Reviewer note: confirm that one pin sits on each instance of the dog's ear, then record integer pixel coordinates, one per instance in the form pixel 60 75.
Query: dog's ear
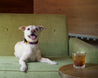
pixel 42 28
pixel 22 28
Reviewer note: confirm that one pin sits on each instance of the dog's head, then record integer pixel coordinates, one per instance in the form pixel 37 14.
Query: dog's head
pixel 31 32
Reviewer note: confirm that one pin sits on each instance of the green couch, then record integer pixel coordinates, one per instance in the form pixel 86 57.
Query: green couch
pixel 54 44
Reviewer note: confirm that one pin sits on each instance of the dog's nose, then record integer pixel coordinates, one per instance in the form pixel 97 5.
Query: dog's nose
pixel 32 30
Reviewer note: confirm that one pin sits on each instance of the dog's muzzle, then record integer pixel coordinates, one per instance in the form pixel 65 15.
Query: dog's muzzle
pixel 33 36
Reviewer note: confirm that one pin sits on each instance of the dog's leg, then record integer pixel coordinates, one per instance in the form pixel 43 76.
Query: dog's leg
pixel 23 65
pixel 46 60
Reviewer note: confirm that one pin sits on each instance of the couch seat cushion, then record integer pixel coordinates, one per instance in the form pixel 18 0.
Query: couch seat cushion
pixel 10 63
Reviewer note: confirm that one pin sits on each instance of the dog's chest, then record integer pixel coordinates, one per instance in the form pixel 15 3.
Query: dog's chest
pixel 32 52
pixel 32 49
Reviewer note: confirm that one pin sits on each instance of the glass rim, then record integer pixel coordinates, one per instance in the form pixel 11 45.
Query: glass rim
pixel 79 53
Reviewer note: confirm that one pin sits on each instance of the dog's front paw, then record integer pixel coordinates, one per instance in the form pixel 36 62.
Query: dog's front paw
pixel 23 68
pixel 53 63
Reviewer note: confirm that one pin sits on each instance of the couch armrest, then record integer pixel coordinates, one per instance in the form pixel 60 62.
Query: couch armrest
pixel 79 45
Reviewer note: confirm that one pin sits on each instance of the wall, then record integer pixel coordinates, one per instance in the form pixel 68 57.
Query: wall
pixel 82 14
pixel 16 6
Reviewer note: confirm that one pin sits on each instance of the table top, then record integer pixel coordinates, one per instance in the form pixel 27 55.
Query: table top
pixel 90 71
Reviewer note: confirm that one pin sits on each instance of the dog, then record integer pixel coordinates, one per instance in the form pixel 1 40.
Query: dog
pixel 28 50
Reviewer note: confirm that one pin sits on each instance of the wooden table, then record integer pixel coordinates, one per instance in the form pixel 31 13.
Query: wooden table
pixel 90 71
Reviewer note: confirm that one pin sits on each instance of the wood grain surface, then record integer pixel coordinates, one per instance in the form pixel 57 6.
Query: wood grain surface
pixel 82 14
pixel 90 71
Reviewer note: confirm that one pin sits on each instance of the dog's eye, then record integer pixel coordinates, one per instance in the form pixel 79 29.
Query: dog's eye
pixel 36 29
pixel 28 29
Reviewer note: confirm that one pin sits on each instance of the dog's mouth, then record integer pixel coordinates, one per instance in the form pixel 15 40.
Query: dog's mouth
pixel 32 36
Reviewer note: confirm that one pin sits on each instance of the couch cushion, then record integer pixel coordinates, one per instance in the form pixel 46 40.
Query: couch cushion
pixel 11 63
pixel 53 40
pixel 16 74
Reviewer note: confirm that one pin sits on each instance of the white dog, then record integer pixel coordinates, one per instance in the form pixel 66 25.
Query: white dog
pixel 28 50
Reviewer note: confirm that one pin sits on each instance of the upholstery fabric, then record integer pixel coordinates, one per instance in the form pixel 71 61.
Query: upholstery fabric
pixel 53 40
pixel 11 63
pixel 9 68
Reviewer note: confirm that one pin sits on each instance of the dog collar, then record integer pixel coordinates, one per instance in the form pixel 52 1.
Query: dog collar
pixel 32 43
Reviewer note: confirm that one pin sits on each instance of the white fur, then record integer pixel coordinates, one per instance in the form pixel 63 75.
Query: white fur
pixel 27 52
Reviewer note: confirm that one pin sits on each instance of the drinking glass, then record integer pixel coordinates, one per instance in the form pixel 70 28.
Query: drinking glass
pixel 79 60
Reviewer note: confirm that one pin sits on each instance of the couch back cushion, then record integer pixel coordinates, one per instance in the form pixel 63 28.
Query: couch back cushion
pixel 53 40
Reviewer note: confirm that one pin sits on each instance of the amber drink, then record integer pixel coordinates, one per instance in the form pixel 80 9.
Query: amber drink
pixel 79 60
